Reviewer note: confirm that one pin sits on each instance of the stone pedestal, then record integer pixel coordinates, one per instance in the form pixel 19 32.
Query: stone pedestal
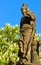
pixel 27 64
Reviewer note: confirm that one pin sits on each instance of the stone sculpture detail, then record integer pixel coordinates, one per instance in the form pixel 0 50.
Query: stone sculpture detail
pixel 27 45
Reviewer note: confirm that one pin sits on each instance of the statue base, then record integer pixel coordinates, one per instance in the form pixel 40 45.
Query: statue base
pixel 26 63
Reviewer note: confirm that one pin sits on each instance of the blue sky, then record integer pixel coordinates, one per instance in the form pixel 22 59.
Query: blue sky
pixel 10 11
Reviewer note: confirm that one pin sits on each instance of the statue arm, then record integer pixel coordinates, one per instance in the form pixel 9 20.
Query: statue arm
pixel 32 15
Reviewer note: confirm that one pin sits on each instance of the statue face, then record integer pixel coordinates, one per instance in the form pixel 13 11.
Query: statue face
pixel 24 10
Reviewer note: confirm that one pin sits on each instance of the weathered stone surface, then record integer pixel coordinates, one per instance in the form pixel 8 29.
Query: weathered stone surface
pixel 27 45
pixel 27 64
pixel 34 56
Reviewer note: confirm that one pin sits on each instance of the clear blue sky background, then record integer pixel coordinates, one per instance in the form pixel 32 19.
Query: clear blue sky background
pixel 10 11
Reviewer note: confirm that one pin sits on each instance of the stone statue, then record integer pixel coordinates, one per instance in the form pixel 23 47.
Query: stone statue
pixel 26 41
pixel 34 53
pixel 28 46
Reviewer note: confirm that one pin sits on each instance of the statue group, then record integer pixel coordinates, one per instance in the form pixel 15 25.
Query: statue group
pixel 28 46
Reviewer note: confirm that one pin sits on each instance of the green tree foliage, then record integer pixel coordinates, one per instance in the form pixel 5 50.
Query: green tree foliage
pixel 9 43
pixel 38 37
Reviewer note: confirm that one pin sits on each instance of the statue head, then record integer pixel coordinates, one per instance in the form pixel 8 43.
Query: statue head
pixel 24 9
pixel 24 5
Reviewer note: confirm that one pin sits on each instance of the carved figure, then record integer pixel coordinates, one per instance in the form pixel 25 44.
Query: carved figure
pixel 27 32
